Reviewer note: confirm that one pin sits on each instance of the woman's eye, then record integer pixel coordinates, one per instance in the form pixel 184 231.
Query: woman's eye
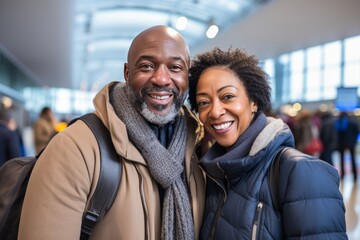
pixel 201 103
pixel 228 97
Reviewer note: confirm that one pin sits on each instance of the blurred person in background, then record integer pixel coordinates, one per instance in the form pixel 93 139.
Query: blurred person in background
pixel 328 137
pixel 44 129
pixel 306 134
pixel 9 139
pixel 347 131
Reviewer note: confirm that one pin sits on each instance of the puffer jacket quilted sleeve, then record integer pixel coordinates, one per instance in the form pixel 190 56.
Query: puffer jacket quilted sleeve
pixel 312 205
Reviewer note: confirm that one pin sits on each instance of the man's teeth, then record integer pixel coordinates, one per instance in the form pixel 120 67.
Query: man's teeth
pixel 222 126
pixel 160 97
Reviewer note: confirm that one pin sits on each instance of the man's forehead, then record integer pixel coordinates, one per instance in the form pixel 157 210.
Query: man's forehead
pixel 158 36
pixel 158 39
pixel 159 31
pixel 157 48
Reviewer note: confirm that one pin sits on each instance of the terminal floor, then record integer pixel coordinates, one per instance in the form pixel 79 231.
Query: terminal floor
pixel 351 195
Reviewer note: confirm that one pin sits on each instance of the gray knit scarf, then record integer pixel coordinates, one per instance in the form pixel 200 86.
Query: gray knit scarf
pixel 165 165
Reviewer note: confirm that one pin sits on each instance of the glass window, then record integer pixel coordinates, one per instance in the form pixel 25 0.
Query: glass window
pixel 270 70
pixel 284 59
pixel 313 85
pixel 40 97
pixel 296 75
pixel 352 75
pixel 297 61
pixel 352 49
pixel 352 62
pixel 332 53
pixel 313 74
pixel 296 92
pixel 63 100
pixel 284 62
pixel 332 70
pixel 83 101
pixel 313 57
pixel 331 82
pixel 269 67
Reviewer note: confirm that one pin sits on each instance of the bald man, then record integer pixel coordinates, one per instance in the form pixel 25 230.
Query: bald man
pixel 161 194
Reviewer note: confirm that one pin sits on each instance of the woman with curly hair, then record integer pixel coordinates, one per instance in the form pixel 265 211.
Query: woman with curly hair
pixel 231 92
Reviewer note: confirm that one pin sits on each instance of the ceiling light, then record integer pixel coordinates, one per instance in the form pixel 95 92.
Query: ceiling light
pixel 6 102
pixel 297 107
pixel 213 29
pixel 181 23
pixel 90 48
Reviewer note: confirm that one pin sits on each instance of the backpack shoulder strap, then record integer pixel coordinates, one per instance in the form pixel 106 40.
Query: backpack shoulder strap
pixel 109 177
pixel 273 176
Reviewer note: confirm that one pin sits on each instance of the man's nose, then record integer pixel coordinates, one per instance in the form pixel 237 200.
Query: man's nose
pixel 161 76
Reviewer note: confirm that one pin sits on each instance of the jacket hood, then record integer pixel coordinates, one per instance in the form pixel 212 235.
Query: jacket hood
pixel 116 127
pixel 275 134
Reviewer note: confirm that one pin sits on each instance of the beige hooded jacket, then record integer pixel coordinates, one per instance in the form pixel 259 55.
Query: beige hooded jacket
pixel 66 174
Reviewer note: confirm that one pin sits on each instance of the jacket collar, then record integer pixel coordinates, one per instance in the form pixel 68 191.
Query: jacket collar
pixel 118 131
pixel 233 163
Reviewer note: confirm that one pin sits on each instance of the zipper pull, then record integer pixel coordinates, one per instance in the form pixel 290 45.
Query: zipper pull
pixel 256 220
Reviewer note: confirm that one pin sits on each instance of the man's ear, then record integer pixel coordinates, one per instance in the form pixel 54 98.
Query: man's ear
pixel 126 72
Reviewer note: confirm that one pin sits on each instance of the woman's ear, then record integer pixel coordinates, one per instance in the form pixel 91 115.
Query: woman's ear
pixel 254 107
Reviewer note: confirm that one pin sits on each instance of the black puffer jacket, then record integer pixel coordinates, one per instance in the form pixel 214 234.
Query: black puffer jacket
pixel 311 203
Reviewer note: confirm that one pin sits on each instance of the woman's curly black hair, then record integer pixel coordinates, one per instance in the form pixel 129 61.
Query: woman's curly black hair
pixel 245 66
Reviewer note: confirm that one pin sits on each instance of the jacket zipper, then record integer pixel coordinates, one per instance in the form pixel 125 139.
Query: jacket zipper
pixel 218 210
pixel 256 224
pixel 191 173
pixel 143 201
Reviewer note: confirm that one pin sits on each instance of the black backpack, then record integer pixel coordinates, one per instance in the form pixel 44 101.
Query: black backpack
pixel 15 173
pixel 273 175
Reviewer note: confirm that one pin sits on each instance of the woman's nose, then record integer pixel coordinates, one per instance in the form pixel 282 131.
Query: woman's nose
pixel 217 110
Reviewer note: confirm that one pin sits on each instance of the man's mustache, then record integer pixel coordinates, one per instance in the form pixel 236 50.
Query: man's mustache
pixel 160 89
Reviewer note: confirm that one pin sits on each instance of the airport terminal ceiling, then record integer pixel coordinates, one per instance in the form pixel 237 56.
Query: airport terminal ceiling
pixel 104 30
pixel 82 44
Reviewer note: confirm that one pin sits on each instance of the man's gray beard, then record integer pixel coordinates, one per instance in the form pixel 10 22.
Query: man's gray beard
pixel 151 117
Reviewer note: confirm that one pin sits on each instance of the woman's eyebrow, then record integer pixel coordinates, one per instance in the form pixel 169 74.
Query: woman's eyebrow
pixel 219 90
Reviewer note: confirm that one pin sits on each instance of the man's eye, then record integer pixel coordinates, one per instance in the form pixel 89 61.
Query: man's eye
pixel 146 66
pixel 176 68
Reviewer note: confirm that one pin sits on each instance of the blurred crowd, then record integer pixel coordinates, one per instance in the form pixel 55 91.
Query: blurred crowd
pixel 316 133
pixel 322 134
pixel 43 128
